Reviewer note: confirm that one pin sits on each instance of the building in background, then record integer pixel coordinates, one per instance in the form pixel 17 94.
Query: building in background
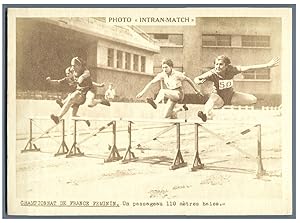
pixel 245 40
pixel 129 56
pixel 121 55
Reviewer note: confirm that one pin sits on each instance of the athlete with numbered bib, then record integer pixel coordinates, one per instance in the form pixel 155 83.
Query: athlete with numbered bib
pixel 217 83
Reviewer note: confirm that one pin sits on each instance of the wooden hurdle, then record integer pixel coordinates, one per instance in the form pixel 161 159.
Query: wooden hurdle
pixel 197 164
pixel 260 170
pixel 178 161
pixel 31 146
pixel 75 151
pixel 129 156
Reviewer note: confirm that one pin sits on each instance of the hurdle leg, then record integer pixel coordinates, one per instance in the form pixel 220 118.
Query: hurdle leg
pixel 63 148
pixel 30 146
pixel 114 154
pixel 74 151
pixel 260 169
pixel 197 161
pixel 178 161
pixel 129 155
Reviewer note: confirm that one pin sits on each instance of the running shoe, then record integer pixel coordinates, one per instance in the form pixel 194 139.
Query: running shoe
pixel 105 102
pixel 202 116
pixel 59 102
pixel 55 119
pixel 92 105
pixel 151 102
pixel 88 123
pixel 185 107
pixel 173 115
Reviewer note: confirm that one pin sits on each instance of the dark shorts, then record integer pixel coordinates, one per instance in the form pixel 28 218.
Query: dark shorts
pixel 227 97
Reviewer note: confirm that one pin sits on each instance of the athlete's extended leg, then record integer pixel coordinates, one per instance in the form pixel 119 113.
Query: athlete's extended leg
pixel 174 95
pixel 61 102
pixel 181 108
pixel 214 101
pixel 75 110
pixel 240 98
pixel 74 98
pixel 91 101
pixel 169 113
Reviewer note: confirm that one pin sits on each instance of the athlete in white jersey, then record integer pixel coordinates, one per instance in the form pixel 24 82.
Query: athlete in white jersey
pixel 174 93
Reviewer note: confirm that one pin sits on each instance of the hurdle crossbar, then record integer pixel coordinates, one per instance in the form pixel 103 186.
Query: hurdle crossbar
pixel 187 121
pixel 82 118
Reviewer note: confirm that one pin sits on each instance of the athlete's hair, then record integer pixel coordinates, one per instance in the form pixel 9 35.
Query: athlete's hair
pixel 77 60
pixel 224 58
pixel 169 62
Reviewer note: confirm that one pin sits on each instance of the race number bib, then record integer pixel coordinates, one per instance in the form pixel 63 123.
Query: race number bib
pixel 223 84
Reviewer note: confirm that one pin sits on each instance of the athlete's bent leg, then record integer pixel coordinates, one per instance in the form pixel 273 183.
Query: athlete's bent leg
pixel 214 101
pixel 75 110
pixel 90 98
pixel 240 98
pixel 169 109
pixel 74 98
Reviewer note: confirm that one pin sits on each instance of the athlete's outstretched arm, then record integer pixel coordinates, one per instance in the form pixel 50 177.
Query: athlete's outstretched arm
pixel 272 63
pixel 98 85
pixel 202 78
pixel 48 79
pixel 154 80
pixel 192 84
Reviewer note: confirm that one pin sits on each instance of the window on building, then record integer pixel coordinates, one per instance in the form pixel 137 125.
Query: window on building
pixel 127 61
pixel 119 59
pixel 168 39
pixel 160 36
pixel 261 74
pixel 216 40
pixel 176 39
pixel 143 64
pixel 256 41
pixel 135 62
pixel 110 57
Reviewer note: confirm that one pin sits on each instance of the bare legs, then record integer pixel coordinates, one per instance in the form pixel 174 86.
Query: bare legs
pixel 91 101
pixel 173 97
pixel 74 98
pixel 240 98
pixel 215 101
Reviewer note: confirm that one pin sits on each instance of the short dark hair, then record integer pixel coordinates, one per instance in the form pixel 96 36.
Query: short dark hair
pixel 78 61
pixel 169 62
pixel 223 58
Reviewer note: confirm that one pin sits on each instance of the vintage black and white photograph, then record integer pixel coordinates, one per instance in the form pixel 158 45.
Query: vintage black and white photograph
pixel 149 111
